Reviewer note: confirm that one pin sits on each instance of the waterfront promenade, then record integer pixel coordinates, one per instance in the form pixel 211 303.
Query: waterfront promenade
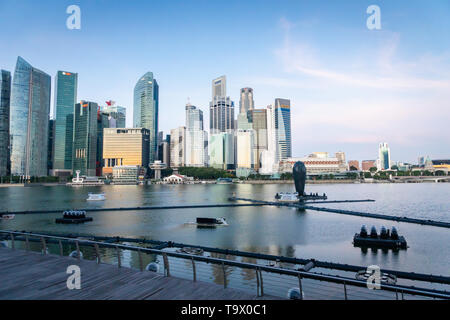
pixel 31 275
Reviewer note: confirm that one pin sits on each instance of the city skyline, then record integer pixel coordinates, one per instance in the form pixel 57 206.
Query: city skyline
pixel 396 97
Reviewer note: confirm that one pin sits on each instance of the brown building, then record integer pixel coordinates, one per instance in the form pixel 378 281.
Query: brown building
pixel 353 163
pixel 367 164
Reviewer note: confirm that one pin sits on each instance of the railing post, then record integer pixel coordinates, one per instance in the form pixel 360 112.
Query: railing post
pixel 300 286
pixel 194 270
pixel 396 294
pixel 257 282
pixel 27 243
pixel 166 265
pixel 78 250
pixel 12 241
pixel 97 253
pixel 44 246
pixel 61 253
pixel 224 275
pixel 119 264
pixel 261 282
pixel 345 291
pixel 141 264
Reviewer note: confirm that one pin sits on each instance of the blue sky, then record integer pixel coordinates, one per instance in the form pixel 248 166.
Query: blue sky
pixel 350 87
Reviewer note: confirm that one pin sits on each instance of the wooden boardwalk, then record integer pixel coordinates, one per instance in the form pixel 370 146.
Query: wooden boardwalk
pixel 31 275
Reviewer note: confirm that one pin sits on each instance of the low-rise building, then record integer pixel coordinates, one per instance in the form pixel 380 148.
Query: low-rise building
pixel 125 174
pixel 316 164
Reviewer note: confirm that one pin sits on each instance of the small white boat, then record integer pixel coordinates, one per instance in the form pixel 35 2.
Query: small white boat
pixel 7 216
pixel 286 197
pixel 96 197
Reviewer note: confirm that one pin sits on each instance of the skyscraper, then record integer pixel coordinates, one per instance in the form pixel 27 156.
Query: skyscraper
pixel 145 109
pixel 65 98
pixel 283 128
pixel 85 138
pixel 246 102
pixel 384 156
pixel 258 118
pixel 269 163
pixel 221 151
pixel 196 138
pixel 118 113
pixel 5 99
pixel 30 109
pixel 178 147
pixel 103 122
pixel 219 87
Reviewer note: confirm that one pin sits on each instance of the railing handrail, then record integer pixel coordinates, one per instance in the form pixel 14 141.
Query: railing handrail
pixel 242 265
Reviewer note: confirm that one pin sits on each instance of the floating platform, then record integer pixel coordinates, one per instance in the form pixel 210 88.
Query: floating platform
pixel 74 221
pixel 378 242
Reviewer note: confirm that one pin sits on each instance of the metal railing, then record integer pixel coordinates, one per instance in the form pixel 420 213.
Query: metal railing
pixel 193 259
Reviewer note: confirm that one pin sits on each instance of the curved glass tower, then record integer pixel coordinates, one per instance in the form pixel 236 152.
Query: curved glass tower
pixel 283 128
pixel 30 109
pixel 145 109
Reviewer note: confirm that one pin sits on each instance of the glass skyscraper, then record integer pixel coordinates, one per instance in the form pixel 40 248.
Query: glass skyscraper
pixel 30 109
pixel 65 99
pixel 246 101
pixel 283 128
pixel 84 151
pixel 145 109
pixel 5 99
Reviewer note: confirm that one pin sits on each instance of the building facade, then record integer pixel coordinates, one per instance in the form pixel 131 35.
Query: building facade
pixel 367 164
pixel 125 147
pixel 146 109
pixel 5 102
pixel 258 118
pixel 221 151
pixel 384 157
pixel 283 128
pixel 353 163
pixel 178 147
pixel 118 113
pixel 246 102
pixel 84 157
pixel 29 117
pixel 66 84
pixel 244 152
pixel 196 138
pixel 317 163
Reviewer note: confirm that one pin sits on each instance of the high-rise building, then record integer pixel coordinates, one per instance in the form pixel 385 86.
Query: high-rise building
pixel 145 109
pixel 221 151
pixel 125 147
pixel 258 118
pixel 283 128
pixel 5 100
pixel 219 87
pixel 367 164
pixel 166 150
pixel 354 164
pixel 246 102
pixel 196 138
pixel 29 116
pixel 85 138
pixel 269 163
pixel 103 122
pixel 51 144
pixel 118 113
pixel 178 147
pixel 244 152
pixel 384 156
pixel 221 115
pixel 65 98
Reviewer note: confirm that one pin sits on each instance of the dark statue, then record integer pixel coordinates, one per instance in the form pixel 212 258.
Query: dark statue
pixel 299 173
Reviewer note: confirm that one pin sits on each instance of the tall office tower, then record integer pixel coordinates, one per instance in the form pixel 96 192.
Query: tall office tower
pixel 269 163
pixel 384 156
pixel 5 99
pixel 166 150
pixel 145 109
pixel 219 87
pixel 178 147
pixel 51 144
pixel 30 110
pixel 118 113
pixel 283 128
pixel 221 151
pixel 103 122
pixel 66 84
pixel 244 152
pixel 85 137
pixel 196 138
pixel 221 115
pixel 246 102
pixel 125 147
pixel 258 118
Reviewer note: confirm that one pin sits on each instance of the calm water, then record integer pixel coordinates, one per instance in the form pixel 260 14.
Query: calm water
pixel 281 231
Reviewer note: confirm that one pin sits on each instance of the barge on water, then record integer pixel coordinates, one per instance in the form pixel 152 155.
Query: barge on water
pixel 211 222
pixel 74 217
pixel 386 239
